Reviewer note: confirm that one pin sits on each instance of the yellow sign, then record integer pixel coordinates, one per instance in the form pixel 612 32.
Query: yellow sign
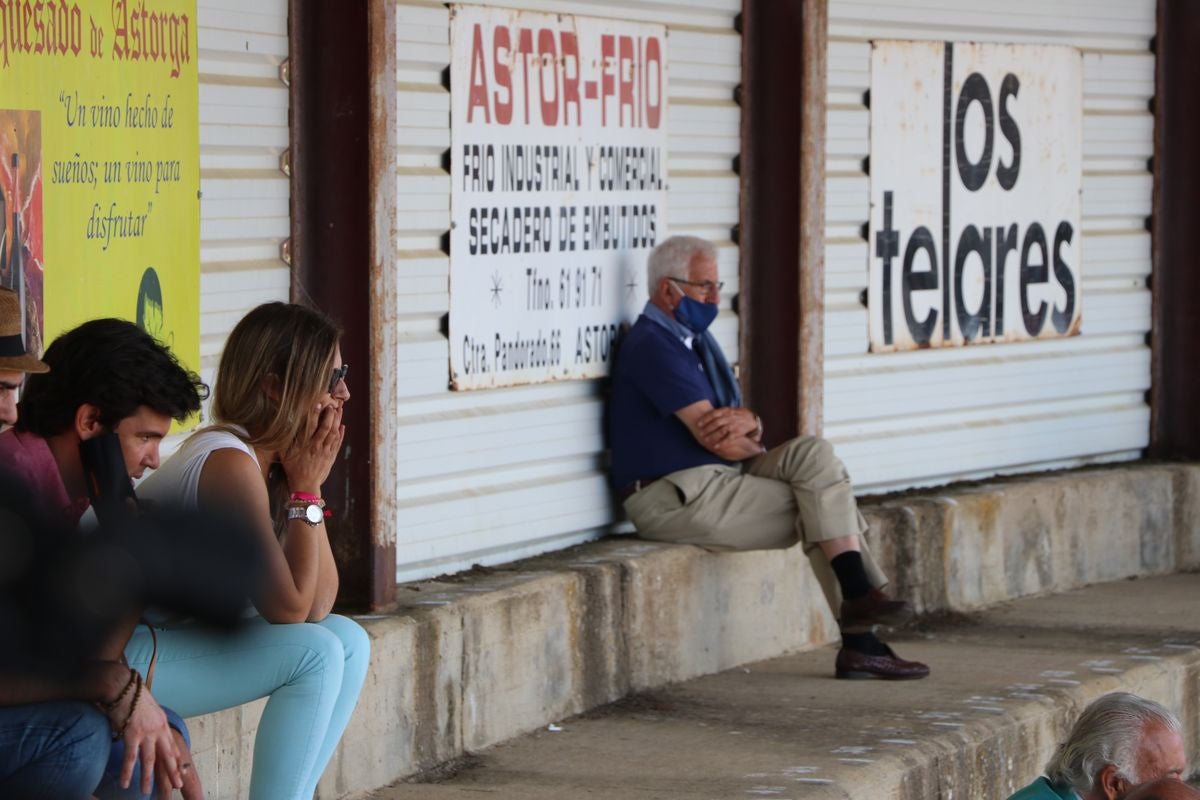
pixel 99 166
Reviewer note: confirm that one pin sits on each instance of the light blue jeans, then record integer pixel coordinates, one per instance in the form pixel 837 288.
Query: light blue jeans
pixel 312 673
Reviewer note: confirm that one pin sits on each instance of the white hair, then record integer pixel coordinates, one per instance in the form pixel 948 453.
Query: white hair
pixel 672 257
pixel 1109 731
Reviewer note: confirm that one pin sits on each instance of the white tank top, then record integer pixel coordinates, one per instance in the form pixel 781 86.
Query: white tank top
pixel 177 481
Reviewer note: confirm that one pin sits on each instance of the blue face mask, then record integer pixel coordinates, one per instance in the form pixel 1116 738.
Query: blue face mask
pixel 695 315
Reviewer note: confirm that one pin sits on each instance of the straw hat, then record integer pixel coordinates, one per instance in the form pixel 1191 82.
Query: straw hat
pixel 12 341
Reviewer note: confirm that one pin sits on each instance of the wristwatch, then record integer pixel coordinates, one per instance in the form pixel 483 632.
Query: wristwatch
pixel 311 513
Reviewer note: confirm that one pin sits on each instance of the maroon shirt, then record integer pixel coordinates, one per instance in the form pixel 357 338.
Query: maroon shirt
pixel 26 458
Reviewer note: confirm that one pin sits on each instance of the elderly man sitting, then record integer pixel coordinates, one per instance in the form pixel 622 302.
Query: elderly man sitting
pixel 1118 742
pixel 689 465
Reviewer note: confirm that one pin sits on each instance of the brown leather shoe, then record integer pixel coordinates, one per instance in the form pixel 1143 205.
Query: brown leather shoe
pixel 853 665
pixel 874 608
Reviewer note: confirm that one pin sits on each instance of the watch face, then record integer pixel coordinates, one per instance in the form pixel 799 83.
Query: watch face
pixel 314 514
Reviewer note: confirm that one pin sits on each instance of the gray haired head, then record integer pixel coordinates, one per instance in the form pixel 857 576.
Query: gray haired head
pixel 1109 731
pixel 672 257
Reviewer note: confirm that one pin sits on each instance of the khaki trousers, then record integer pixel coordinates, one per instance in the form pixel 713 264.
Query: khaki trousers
pixel 798 492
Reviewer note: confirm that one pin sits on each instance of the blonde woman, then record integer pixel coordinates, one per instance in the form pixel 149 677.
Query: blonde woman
pixel 278 400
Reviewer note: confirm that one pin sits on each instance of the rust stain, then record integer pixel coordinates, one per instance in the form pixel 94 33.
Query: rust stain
pixel 987 510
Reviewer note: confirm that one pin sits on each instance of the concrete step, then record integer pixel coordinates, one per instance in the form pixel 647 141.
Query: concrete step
pixel 1006 685
pixel 473 660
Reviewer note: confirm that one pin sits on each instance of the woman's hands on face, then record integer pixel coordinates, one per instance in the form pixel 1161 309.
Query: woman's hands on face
pixel 308 461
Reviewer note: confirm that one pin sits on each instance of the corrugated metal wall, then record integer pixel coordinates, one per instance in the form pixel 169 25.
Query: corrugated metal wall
pixel 928 417
pixel 490 476
pixel 244 215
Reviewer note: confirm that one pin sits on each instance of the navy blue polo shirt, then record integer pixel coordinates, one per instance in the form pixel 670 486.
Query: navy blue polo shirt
pixel 656 374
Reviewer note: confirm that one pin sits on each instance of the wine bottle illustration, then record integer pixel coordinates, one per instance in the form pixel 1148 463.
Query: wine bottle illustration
pixel 16 270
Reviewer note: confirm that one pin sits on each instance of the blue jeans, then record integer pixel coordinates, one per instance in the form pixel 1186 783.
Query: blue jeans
pixel 55 751
pixel 312 673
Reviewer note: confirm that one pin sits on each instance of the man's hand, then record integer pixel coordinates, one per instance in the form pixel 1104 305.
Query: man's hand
pixel 722 424
pixel 148 735
pixel 191 788
pixel 725 432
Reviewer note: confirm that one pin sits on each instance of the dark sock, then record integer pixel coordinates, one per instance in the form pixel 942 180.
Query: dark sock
pixel 867 643
pixel 851 575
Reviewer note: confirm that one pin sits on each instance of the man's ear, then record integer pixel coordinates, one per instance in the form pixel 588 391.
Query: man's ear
pixel 272 387
pixel 663 291
pixel 87 422
pixel 1109 783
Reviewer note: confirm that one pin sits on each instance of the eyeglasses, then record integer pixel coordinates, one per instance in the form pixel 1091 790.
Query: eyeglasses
pixel 708 286
pixel 339 375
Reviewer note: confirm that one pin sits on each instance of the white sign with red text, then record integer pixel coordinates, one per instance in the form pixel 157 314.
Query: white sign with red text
pixel 558 159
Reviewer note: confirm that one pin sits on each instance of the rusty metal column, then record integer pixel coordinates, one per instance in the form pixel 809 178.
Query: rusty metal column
pixel 343 68
pixel 1175 424
pixel 814 91
pixel 783 213
pixel 381 29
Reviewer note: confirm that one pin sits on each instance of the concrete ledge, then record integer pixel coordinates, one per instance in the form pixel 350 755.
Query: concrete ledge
pixel 1007 684
pixel 973 547
pixel 472 661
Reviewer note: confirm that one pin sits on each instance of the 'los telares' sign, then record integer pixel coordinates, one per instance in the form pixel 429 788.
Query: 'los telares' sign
pixel 976 154
pixel 558 186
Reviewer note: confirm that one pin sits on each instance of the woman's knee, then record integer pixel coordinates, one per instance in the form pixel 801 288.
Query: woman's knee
pixel 313 651
pixel 356 642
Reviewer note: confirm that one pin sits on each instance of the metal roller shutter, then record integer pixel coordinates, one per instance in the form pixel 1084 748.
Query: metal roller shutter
pixel 490 476
pixel 927 417
pixel 244 214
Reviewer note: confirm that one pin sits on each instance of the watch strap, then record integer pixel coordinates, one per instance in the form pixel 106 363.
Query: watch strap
pixel 302 512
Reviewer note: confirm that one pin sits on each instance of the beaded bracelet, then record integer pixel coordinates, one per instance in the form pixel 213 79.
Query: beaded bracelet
pixel 137 695
pixel 129 685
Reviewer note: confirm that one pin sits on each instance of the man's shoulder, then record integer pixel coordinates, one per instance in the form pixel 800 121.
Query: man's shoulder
pixel 26 461
pixel 649 340
pixel 22 450
pixel 1042 789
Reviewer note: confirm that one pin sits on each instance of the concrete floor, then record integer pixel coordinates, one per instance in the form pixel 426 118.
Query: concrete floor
pixel 1005 684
